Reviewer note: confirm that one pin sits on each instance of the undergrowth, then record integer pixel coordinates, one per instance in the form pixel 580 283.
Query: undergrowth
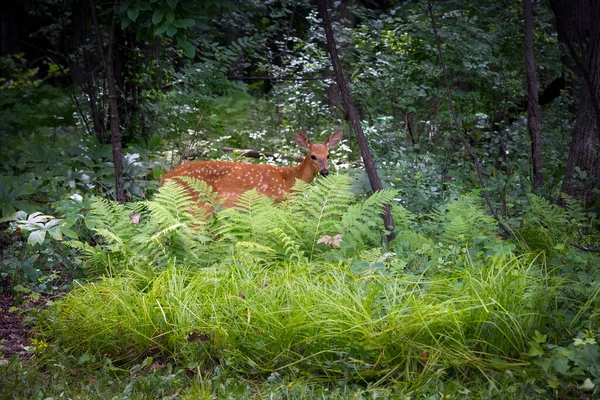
pixel 305 291
pixel 301 289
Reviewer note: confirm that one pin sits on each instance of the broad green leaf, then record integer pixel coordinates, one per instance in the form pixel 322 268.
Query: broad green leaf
pixel 23 205
pixel 171 31
pixel 55 234
pixel 68 232
pixel 157 16
pixel 36 237
pixel 125 23
pixel 125 5
pixel 133 13
pixel 188 49
pixel 172 3
pixel 561 365
pixel 84 358
pixel 170 16
pixel 23 190
pixel 162 28
pixel 7 209
pixel 539 338
pixel 21 289
pixel 535 350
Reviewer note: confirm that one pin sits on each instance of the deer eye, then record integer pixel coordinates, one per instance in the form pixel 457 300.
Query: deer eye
pixel 313 157
pixel 328 156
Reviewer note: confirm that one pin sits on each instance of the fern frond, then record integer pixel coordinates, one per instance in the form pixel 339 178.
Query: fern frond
pixel 202 191
pixel 250 220
pixel 110 236
pixel 174 197
pixel 463 220
pixel 318 208
pixel 403 219
pixel 291 249
pixel 545 224
pixel 362 223
pixel 167 230
pixel 254 250
pixel 410 240
pixel 549 215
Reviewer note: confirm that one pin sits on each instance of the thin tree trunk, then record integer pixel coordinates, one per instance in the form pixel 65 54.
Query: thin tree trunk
pixel 96 112
pixel 353 114
pixel 115 129
pixel 84 74
pixel 532 98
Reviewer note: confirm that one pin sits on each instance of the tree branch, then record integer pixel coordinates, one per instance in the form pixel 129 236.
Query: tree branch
pixel 580 247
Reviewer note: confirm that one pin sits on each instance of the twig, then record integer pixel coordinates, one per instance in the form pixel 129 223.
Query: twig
pixel 580 247
pixel 459 130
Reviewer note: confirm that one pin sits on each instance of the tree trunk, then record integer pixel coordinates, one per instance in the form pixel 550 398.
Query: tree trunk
pixel 83 73
pixel 115 129
pixel 578 28
pixel 353 114
pixel 532 98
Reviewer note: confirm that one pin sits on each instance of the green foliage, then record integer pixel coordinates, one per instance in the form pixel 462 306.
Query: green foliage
pixel 574 369
pixel 307 318
pixel 11 195
pixel 46 265
pixel 39 225
pixel 549 227
pixel 463 221
pixel 36 174
pixel 174 226
pixel 260 300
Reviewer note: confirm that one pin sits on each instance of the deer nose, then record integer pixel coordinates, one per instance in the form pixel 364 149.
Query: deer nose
pixel 324 172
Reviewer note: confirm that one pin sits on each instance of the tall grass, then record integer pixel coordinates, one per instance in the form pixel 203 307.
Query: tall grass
pixel 309 319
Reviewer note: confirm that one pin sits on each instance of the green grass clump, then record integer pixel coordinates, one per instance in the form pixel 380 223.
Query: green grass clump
pixel 308 319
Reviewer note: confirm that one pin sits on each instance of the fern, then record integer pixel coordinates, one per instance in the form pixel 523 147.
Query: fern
pixel 411 240
pixel 462 221
pixel 362 224
pixel 202 191
pixel 174 228
pixel 547 215
pixel 403 219
pixel 317 209
pixel 545 224
pixel 250 220
pixel 291 249
pixel 171 204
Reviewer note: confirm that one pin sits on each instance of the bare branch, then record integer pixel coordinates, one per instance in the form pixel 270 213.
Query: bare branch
pixel 580 247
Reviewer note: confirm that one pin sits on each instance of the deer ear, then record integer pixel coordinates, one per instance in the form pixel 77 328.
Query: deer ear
pixel 334 139
pixel 302 141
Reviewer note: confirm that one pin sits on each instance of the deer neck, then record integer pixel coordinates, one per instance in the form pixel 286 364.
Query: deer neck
pixel 304 171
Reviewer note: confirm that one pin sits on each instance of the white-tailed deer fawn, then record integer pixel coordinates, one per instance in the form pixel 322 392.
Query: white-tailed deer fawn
pixel 231 179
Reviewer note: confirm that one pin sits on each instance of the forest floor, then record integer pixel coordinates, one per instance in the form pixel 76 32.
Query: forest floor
pixel 14 336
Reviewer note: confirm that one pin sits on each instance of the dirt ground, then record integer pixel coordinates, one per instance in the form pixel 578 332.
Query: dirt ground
pixel 14 337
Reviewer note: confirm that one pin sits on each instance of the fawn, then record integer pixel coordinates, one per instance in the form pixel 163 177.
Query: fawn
pixel 231 179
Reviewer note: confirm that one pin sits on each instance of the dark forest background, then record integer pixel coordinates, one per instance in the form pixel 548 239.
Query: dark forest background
pixel 483 123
